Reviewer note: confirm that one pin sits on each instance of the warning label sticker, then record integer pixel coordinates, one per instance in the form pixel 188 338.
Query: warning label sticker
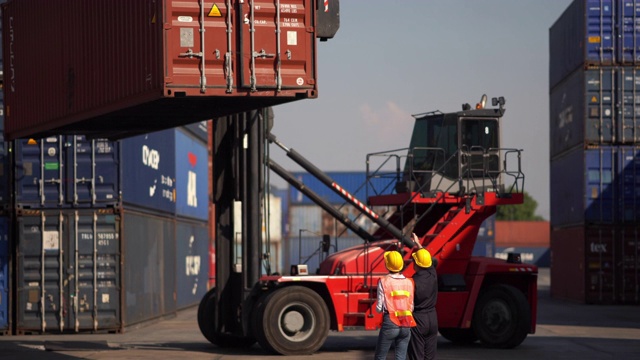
pixel 215 11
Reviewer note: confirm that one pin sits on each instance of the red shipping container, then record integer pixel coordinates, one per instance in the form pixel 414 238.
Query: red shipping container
pixel 596 264
pixel 120 67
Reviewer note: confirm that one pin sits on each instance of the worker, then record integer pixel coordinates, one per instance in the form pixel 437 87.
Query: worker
pixel 395 300
pixel 424 337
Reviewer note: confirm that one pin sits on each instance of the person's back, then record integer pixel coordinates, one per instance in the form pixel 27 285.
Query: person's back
pixel 395 300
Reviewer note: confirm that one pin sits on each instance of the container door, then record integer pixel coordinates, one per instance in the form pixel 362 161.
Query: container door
pixel 39 287
pixel 93 271
pixel 39 173
pixel 600 99
pixel 628 43
pixel 600 268
pixel 599 32
pixel 276 54
pixel 92 171
pixel 628 121
pixel 599 185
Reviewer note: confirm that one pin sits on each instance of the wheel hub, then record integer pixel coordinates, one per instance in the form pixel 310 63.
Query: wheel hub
pixel 293 321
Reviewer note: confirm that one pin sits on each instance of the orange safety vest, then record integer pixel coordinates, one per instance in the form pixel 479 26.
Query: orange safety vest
pixel 398 298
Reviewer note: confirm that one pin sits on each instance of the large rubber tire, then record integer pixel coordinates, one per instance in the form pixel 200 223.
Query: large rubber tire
pixel 459 336
pixel 206 314
pixel 293 320
pixel 502 317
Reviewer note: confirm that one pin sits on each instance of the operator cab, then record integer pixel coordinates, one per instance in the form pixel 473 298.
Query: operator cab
pixel 455 152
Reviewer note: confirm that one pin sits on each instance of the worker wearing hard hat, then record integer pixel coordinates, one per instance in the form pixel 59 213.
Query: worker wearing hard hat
pixel 395 300
pixel 424 337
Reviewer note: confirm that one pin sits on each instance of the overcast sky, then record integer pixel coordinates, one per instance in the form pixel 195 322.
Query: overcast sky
pixel 391 59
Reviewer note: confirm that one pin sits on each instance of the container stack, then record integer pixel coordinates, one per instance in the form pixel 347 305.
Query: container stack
pixel 594 78
pixel 107 233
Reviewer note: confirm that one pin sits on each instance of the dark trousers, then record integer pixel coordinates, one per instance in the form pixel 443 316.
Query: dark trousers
pixel 424 337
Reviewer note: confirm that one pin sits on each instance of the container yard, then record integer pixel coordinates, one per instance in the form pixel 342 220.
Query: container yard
pixel 135 188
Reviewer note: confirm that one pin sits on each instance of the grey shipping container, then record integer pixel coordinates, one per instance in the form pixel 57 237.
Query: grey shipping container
pixel 596 264
pixel 149 266
pixel 68 271
pixel 192 262
pixel 594 33
pixel 66 172
pixel 5 275
pixel 595 107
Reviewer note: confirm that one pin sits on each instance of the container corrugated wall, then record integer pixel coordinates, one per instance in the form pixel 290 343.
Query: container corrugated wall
pixel 68 271
pixel 161 66
pixel 5 275
pixel 150 266
pixel 596 186
pixel 192 262
pixel 191 177
pixel 149 171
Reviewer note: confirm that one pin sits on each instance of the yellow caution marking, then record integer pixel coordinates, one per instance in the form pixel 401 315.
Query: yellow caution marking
pixel 153 20
pixel 593 39
pixel 594 99
pixel 215 11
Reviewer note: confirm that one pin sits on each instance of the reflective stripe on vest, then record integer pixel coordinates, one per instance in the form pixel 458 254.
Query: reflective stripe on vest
pixel 399 300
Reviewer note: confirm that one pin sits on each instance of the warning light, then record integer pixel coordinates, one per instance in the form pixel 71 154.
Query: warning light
pixel 32 142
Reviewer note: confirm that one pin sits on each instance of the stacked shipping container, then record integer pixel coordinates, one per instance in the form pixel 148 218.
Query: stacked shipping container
pixel 107 233
pixel 595 152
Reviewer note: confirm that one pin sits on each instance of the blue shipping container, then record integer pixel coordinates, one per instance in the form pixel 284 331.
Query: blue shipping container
pixel 4 275
pixel 5 172
pixel 595 107
pixel 66 172
pixel 192 177
pixel 594 33
pixel 583 187
pixel 199 130
pixel 149 171
pixel 628 184
pixel 192 262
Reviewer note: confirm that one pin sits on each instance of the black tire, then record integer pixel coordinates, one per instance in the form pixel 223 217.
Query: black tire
pixel 293 320
pixel 206 316
pixel 459 336
pixel 502 317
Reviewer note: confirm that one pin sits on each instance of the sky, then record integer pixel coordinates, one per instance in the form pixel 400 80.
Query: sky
pixel 393 58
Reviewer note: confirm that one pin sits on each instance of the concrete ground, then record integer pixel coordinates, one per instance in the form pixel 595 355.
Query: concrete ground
pixel 565 331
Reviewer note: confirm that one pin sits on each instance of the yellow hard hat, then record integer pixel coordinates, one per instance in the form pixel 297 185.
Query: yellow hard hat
pixel 393 261
pixel 422 258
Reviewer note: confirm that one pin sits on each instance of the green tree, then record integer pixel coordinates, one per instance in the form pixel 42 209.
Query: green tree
pixel 523 212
